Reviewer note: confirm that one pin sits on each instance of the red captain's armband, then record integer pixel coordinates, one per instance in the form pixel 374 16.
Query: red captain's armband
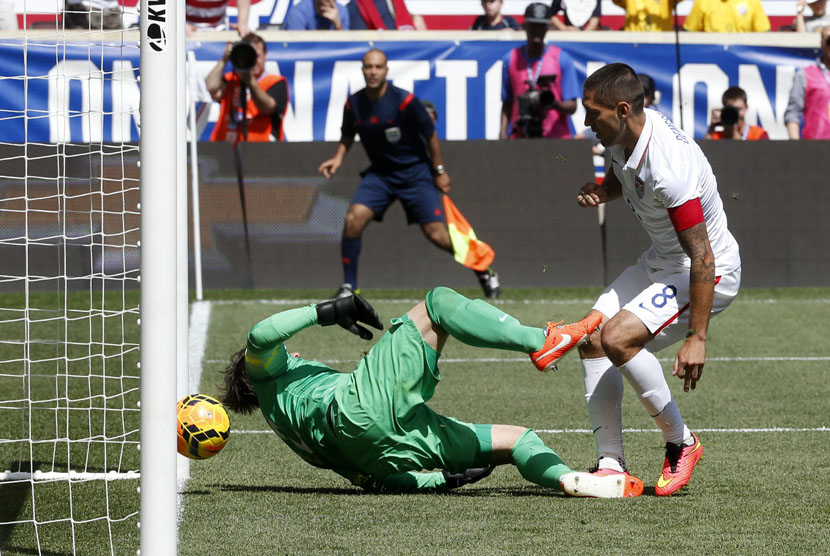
pixel 686 215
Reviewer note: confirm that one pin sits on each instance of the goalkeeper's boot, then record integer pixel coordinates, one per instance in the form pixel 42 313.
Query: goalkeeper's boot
pixel 678 466
pixel 561 339
pixel 489 281
pixel 345 291
pixel 593 485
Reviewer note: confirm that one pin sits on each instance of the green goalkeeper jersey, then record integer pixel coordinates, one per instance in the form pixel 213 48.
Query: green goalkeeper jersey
pixel 294 396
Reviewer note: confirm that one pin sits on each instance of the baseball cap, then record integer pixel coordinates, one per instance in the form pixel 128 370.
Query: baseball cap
pixel 537 13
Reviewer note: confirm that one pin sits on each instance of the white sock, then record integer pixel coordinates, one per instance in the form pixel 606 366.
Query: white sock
pixel 603 396
pixel 645 374
pixel 671 423
pixel 606 462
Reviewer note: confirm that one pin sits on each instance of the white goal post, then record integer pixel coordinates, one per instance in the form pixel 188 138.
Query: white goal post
pixel 162 170
pixel 93 284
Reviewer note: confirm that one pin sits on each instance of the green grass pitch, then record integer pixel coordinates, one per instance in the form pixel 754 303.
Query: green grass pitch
pixel 762 410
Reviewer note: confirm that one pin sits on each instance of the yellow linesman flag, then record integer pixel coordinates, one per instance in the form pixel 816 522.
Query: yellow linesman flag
pixel 468 250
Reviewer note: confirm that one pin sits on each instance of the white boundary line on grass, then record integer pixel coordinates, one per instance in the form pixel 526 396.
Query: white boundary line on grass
pixel 715 430
pixel 197 341
pixel 200 312
pixel 588 431
pixel 79 477
pixel 280 301
pixel 73 476
pixel 445 360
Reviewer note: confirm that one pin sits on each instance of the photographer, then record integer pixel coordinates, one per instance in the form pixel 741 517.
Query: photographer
pixel 728 122
pixel 265 95
pixel 539 85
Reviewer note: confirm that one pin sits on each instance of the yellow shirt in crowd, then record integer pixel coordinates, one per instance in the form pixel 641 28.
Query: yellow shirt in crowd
pixel 727 16
pixel 647 15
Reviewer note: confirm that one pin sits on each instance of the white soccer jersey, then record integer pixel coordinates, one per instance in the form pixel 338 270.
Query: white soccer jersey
pixel 665 170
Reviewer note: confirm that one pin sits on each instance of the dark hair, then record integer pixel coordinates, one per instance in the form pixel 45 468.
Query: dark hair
pixel 733 93
pixel 237 394
pixel 615 83
pixel 648 85
pixel 253 38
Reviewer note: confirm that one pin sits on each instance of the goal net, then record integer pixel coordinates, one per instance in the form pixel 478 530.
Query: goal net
pixel 69 285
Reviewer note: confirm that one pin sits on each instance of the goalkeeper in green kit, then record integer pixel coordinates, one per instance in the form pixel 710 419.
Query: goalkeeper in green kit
pixel 373 427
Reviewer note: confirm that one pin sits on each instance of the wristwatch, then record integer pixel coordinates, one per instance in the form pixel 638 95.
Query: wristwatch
pixel 440 170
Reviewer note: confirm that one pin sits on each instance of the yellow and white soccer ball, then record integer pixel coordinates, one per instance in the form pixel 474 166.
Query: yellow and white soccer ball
pixel 203 426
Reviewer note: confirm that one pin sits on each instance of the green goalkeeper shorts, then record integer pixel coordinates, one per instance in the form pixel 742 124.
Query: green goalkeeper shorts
pixel 380 420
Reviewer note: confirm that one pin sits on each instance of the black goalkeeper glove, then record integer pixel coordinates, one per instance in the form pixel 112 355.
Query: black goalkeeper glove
pixel 468 477
pixel 347 312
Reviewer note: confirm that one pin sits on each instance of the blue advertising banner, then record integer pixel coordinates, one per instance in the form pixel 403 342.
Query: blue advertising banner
pixel 82 93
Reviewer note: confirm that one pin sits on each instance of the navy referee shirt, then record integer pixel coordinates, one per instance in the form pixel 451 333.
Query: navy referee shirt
pixel 393 129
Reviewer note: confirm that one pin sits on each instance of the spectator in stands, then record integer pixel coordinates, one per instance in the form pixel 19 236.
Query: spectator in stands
pixel 648 15
pixel 92 14
pixel 727 16
pixel 579 15
pixel 729 123
pixel 539 85
pixel 266 98
pixel 210 15
pixel 810 23
pixel 492 20
pixel 383 14
pixel 309 15
pixel 810 97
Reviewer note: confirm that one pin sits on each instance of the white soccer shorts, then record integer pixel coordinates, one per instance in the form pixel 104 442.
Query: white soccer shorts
pixel 660 299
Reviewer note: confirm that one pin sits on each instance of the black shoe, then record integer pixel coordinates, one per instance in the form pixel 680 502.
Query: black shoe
pixel 489 281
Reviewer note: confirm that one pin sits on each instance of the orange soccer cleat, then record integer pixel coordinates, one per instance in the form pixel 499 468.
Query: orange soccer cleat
pixel 561 339
pixel 678 466
pixel 611 484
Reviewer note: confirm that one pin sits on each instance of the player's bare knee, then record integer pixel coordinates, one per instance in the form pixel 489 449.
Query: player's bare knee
pixel 354 225
pixel 613 340
pixel 504 438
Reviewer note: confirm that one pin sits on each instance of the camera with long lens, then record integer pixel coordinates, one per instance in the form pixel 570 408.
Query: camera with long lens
pixel 243 56
pixel 728 115
pixel 534 105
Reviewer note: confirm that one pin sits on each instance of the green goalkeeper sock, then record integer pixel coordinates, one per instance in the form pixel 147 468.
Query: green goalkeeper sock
pixel 536 462
pixel 479 324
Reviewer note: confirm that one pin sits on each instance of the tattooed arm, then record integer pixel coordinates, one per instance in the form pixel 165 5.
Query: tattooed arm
pixel 688 364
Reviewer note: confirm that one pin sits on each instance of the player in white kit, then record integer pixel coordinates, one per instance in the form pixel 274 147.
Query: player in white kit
pixel 691 271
